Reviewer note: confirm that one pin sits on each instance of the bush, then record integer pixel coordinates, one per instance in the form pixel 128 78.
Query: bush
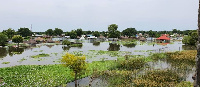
pixel 3 39
pixel 66 42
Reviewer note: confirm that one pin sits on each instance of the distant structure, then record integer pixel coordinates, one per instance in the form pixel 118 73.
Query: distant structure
pixel 164 38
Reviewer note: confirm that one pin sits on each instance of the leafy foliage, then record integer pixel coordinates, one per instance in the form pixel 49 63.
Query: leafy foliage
pixel 10 33
pixel 191 39
pixel 3 39
pixel 58 31
pixel 17 39
pixel 129 32
pixel 24 32
pixel 49 32
pixel 79 32
pixel 66 42
pixel 113 32
pixel 73 34
pixel 158 78
pixel 96 34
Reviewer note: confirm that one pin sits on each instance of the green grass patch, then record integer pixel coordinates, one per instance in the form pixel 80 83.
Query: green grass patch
pixel 40 55
pixel 5 63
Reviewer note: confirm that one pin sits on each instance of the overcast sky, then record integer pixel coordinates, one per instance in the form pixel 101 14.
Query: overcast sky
pixel 96 15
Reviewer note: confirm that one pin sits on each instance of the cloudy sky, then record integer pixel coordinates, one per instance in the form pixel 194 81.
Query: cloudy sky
pixel 98 14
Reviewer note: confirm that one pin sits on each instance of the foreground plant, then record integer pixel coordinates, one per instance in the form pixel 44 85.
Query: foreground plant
pixel 76 63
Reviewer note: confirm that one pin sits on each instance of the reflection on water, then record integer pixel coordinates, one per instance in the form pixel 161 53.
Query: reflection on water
pixel 3 52
pixel 130 45
pixel 65 48
pixel 15 50
pixel 96 43
pixel 50 46
pixel 114 47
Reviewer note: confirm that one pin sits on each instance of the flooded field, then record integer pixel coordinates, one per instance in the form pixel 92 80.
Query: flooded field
pixel 23 55
pixel 49 53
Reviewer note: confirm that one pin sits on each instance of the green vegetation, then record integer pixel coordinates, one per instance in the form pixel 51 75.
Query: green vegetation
pixel 9 33
pixel 113 32
pixel 49 32
pixel 40 55
pixel 5 63
pixel 76 45
pixel 17 39
pixel 191 39
pixel 75 62
pixel 158 78
pixel 24 32
pixel 57 31
pixel 3 39
pixel 127 70
pixel 129 32
pixel 66 42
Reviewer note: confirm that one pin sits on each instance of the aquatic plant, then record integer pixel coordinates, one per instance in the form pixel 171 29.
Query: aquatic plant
pixel 157 78
pixel 5 62
pixel 40 55
pixel 66 42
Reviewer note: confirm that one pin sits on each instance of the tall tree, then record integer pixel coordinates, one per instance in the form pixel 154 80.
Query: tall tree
pixel 17 39
pixel 129 32
pixel 198 52
pixel 24 32
pixel 113 32
pixel 10 33
pixel 174 31
pixel 79 32
pixel 3 39
pixel 73 34
pixel 96 34
pixel 58 31
pixel 49 32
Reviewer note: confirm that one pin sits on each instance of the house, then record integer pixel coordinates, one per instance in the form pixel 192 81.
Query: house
pixel 163 39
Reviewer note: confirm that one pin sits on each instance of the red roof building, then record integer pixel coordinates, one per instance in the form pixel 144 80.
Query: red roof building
pixel 163 39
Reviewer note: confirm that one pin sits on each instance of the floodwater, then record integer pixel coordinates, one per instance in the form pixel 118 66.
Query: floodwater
pixel 22 55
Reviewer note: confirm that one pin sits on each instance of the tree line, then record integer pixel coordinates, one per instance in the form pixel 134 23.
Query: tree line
pixel 112 32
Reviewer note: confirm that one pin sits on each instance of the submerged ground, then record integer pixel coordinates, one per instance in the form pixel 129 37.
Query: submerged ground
pixel 109 65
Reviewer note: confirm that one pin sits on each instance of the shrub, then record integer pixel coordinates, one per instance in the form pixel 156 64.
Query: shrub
pixel 66 42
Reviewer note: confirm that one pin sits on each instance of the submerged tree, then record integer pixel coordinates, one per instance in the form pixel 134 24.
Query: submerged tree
pixel 75 62
pixel 113 32
pixel 17 39
pixel 3 39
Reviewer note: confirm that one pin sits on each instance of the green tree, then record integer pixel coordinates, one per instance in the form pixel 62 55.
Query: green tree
pixel 129 32
pixel 113 32
pixel 105 34
pixel 49 32
pixel 24 32
pixel 17 39
pixel 73 34
pixel 58 31
pixel 88 32
pixel 191 39
pixel 75 62
pixel 79 32
pixel 3 39
pixel 10 33
pixel 174 31
pixel 96 34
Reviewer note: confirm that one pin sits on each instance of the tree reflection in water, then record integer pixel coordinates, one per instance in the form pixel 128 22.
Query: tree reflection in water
pixel 113 47
pixel 15 50
pixel 3 52
pixel 65 48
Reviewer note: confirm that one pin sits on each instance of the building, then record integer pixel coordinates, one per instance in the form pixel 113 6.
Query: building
pixel 163 39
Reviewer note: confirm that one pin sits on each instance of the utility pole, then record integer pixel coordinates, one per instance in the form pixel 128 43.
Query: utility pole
pixel 197 79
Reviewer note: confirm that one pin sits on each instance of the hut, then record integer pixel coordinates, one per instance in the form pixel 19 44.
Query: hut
pixel 163 39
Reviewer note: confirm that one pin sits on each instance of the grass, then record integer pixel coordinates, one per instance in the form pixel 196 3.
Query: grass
pixel 40 55
pixel 5 62
pixel 76 45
